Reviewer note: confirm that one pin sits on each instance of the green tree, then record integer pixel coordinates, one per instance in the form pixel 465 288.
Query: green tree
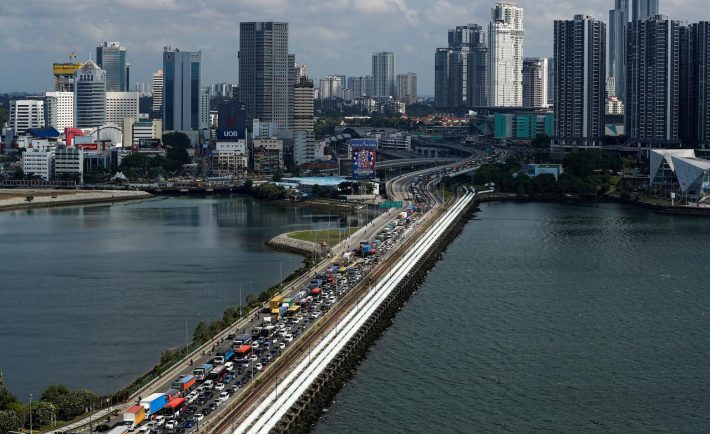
pixel 177 145
pixel 278 175
pixel 6 398
pixel 9 421
pixel 248 184
pixel 55 393
pixel 541 141
pixel 201 333
pixel 43 413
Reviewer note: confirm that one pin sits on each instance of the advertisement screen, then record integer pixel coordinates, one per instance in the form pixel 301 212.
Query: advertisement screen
pixel 148 143
pixel 364 163
pixel 229 134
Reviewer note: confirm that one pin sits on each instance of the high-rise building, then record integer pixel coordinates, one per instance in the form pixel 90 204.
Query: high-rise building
pixel 535 85
pixel 181 89
pixel 121 105
pixel 383 74
pixel 461 69
pixel 64 76
pixel 89 96
pixel 59 110
pixel 111 57
pixel 25 114
pixel 204 122
pixel 551 81
pixel 158 94
pixel 303 105
pixel 331 86
pixel 301 72
pixel 360 86
pixel 505 56
pixel 580 66
pixel 695 84
pixel 264 71
pixel 643 9
pixel 653 87
pixel 407 87
pixel 618 20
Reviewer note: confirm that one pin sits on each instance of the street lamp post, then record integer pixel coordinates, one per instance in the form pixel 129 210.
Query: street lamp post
pixel 30 413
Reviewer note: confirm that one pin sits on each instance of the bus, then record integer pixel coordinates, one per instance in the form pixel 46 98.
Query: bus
pixel 242 353
pixel 293 311
pixel 173 408
pixel 218 373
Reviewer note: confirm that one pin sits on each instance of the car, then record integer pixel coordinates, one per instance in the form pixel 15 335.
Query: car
pixel 171 424
pixel 207 385
pixel 259 367
pixel 229 366
pixel 159 421
pixel 199 417
pixel 191 409
pixel 253 357
pixel 233 389
pixel 255 344
pixel 102 428
pixel 223 396
pixel 180 430
pixel 190 423
pixel 288 337
pixel 201 400
pixel 219 386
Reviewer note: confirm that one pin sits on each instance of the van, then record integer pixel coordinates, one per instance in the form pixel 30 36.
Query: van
pixel 208 385
pixel 145 429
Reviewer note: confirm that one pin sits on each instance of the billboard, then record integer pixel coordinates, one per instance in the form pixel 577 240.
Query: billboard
pixel 227 135
pixel 148 143
pixel 364 158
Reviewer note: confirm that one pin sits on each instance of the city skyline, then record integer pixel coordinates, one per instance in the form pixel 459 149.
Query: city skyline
pixel 318 36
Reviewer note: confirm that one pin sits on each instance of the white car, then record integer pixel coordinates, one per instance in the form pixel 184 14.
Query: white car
pixel 191 397
pixel 223 396
pixel 160 421
pixel 253 357
pixel 199 417
pixel 219 386
pixel 255 344
pixel 282 345
pixel 288 337
pixel 229 366
pixel 171 424
pixel 207 385
pixel 259 367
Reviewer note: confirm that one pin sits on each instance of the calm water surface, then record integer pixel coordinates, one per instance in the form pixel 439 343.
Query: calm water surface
pixel 90 296
pixel 547 317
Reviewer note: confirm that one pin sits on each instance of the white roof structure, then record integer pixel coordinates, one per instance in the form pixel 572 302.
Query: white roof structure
pixel 688 170
pixel 659 155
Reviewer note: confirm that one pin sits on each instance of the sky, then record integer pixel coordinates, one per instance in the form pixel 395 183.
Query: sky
pixel 329 36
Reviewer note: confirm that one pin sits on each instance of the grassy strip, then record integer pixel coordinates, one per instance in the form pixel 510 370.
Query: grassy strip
pixel 322 235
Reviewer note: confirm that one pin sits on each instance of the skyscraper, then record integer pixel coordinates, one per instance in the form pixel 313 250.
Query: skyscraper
pixel 331 86
pixel 695 84
pixel 407 87
pixel 181 89
pixel 264 71
pixel 64 76
pixel 361 86
pixel 383 74
pixel 111 57
pixel 643 9
pixel 580 66
pixel 121 105
pixel 25 114
pixel 505 56
pixel 59 109
pixel 618 20
pixel 158 94
pixel 535 76
pixel 653 87
pixel 303 105
pixel 461 69
pixel 89 96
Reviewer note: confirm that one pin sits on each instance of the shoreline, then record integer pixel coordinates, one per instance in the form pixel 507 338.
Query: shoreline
pixel 60 198
pixel 660 209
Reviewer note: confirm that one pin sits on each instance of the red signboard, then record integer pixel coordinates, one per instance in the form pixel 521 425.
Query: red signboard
pixel 89 146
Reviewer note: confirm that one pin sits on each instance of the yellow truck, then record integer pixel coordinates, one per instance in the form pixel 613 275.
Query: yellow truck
pixel 276 302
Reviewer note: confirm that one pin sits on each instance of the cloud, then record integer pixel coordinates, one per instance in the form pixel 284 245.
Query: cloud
pixel 330 36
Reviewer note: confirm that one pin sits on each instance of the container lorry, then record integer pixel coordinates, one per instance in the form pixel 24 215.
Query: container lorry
pixel 154 403
pixel 224 358
pixel 201 372
pixel 133 416
pixel 185 383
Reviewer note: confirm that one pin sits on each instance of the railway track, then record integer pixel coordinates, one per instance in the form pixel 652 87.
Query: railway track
pixel 261 387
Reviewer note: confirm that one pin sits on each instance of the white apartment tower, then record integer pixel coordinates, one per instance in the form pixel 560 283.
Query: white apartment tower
pixel 25 114
pixel 158 94
pixel 505 56
pixel 59 110
pixel 535 82
pixel 121 105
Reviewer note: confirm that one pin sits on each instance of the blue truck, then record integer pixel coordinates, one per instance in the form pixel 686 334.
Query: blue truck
pixel 202 372
pixel 154 403
pixel 245 339
pixel 224 358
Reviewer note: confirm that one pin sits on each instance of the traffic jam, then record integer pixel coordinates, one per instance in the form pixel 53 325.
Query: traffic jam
pixel 194 396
